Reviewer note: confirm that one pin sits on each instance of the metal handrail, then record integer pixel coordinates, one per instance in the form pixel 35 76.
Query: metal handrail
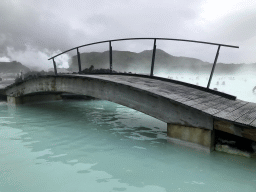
pixel 153 56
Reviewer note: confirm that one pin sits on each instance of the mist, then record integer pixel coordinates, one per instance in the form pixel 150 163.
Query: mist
pixel 37 59
pixel 4 59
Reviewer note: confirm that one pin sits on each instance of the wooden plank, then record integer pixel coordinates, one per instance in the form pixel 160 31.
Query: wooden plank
pixel 146 85
pixel 163 83
pixel 194 98
pixel 184 96
pixel 210 110
pixel 221 106
pixel 170 89
pixel 200 92
pixel 232 116
pixel 216 106
pixel 200 107
pixel 190 90
pixel 165 92
pixel 188 98
pixel 192 102
pixel 215 102
pixel 253 123
pixel 187 95
pixel 179 89
pixel 201 98
pixel 171 96
pixel 179 98
pixel 167 86
pixel 204 101
pixel 236 105
pixel 229 109
pixel 214 109
pixel 248 117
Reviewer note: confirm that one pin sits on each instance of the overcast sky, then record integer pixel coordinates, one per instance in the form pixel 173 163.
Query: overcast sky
pixel 33 30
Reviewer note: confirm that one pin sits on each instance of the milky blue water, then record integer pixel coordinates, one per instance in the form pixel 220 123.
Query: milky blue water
pixel 78 146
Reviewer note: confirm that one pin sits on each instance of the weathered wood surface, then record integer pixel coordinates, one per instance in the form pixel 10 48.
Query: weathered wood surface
pixel 240 112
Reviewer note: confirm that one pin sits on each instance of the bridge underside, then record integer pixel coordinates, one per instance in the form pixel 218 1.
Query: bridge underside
pixel 185 125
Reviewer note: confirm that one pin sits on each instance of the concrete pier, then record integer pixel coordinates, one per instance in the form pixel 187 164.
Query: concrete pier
pixel 193 137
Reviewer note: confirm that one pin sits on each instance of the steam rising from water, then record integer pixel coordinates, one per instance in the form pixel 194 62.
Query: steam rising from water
pixel 37 59
pixel 4 59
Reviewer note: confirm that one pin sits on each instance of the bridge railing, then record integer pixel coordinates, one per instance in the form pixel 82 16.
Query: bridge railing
pixel 153 55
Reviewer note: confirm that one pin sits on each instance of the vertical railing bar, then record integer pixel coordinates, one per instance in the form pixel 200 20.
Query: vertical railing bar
pixel 78 60
pixel 55 68
pixel 213 67
pixel 110 57
pixel 153 59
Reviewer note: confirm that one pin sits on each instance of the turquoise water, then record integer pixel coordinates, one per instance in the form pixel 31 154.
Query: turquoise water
pixel 78 146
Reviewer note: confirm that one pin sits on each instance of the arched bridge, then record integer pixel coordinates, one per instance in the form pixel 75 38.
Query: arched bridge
pixel 191 114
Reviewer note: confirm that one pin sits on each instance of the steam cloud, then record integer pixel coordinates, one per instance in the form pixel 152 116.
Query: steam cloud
pixel 4 59
pixel 37 59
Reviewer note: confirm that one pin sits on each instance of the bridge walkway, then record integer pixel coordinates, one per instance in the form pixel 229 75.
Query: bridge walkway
pixel 235 111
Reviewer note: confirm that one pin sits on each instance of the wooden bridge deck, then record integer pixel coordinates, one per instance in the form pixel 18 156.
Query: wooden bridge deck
pixel 235 111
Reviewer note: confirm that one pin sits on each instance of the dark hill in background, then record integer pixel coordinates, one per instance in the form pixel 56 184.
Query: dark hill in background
pixel 12 67
pixel 126 61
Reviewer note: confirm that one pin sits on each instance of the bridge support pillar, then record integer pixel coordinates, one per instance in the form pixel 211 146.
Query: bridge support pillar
pixel 193 137
pixel 32 98
pixel 14 100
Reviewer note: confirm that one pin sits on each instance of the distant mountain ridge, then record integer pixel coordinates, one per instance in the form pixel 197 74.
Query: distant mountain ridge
pixel 126 61
pixel 164 62
pixel 12 67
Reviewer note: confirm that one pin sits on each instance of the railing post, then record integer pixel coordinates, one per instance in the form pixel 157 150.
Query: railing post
pixel 153 59
pixel 78 60
pixel 110 57
pixel 55 68
pixel 213 67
